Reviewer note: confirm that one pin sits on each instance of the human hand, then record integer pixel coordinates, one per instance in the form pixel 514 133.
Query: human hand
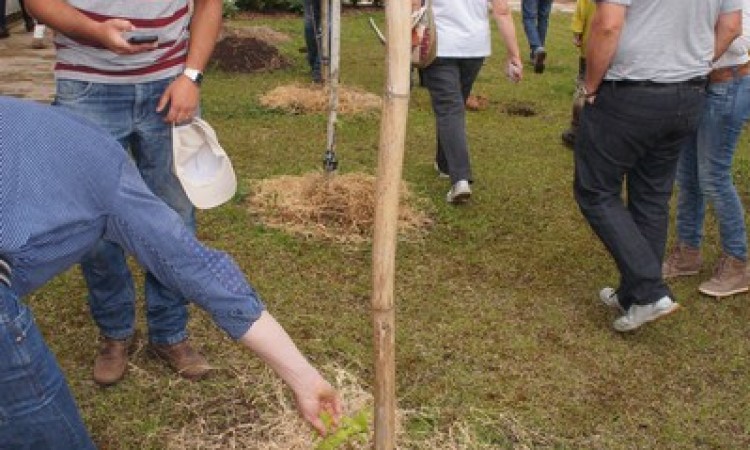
pixel 577 39
pixel 182 96
pixel 514 70
pixel 315 398
pixel 112 35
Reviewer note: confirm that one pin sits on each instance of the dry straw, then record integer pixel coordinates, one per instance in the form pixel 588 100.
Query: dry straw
pixel 300 99
pixel 259 414
pixel 339 207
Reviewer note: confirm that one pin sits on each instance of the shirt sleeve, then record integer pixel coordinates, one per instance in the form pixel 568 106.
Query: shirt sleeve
pixel 152 232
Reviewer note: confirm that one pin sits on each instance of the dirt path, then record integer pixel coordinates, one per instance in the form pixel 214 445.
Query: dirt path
pixel 26 72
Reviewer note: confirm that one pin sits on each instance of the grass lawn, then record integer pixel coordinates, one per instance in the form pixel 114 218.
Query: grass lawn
pixel 501 341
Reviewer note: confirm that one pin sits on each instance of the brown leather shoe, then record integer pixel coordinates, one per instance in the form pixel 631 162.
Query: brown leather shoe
pixel 730 277
pixel 183 359
pixel 682 261
pixel 112 361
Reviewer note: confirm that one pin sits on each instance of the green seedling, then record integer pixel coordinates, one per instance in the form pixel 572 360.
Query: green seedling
pixel 350 430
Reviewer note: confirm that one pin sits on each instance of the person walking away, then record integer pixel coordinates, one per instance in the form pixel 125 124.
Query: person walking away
pixel 463 43
pixel 535 22
pixel 644 101
pixel 704 174
pixel 136 91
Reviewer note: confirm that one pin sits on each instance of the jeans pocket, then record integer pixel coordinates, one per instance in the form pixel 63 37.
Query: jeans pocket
pixel 72 91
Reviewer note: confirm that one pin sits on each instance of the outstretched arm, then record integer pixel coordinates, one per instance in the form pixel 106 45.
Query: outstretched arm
pixel 267 339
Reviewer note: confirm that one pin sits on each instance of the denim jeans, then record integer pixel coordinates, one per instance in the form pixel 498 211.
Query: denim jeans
pixel 449 81
pixel 128 112
pixel 634 134
pixel 37 410
pixel 312 31
pixel 535 21
pixel 705 169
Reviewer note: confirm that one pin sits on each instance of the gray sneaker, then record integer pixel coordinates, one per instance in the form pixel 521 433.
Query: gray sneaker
pixel 638 315
pixel 682 261
pixel 459 193
pixel 608 296
pixel 729 278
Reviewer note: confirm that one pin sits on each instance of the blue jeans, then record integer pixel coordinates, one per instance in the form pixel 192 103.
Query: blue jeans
pixel 535 21
pixel 449 81
pixel 37 410
pixel 633 135
pixel 128 112
pixel 312 35
pixel 705 169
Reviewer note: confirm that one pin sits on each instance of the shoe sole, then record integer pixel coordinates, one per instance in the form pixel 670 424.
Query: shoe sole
pixel 723 294
pixel 669 312
pixel 539 62
pixel 461 198
pixel 684 273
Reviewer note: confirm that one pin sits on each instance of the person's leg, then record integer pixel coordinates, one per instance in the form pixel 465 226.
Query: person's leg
pixel 727 111
pixel 443 80
pixel 3 25
pixel 638 121
pixel 312 36
pixel 111 290
pixel 166 311
pixel 37 409
pixel 529 11
pixel 690 203
pixel 543 12
pixel 27 19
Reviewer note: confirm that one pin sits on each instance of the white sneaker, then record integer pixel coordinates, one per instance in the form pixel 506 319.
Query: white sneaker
pixel 638 315
pixel 459 193
pixel 608 296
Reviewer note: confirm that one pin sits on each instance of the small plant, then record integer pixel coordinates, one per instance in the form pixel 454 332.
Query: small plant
pixel 229 9
pixel 350 430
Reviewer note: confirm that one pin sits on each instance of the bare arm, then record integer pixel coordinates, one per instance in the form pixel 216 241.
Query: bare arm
pixel 728 28
pixel 183 95
pixel 62 17
pixel 267 339
pixel 606 27
pixel 504 20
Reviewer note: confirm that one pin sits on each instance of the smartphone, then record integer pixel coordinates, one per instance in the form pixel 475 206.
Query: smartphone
pixel 142 39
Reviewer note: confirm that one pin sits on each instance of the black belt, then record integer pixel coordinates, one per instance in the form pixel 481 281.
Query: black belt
pixel 697 81
pixel 5 272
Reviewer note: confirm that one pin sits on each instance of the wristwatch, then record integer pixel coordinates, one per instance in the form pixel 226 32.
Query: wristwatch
pixel 195 75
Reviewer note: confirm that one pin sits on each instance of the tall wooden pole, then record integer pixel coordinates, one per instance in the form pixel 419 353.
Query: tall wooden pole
pixel 325 39
pixel 390 161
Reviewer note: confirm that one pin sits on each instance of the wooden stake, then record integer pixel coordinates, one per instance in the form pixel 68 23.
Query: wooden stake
pixel 390 162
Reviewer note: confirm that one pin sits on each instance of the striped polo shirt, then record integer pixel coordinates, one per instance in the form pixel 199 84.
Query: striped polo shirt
pixel 90 61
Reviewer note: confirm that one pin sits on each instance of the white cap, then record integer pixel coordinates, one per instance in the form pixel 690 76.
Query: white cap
pixel 202 166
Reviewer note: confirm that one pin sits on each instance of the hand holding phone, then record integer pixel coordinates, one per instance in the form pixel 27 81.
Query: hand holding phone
pixel 142 38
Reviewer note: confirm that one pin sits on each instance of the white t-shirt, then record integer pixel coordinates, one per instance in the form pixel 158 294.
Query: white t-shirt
pixel 463 28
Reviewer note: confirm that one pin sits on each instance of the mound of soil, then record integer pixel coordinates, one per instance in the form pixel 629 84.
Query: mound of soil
pixel 247 55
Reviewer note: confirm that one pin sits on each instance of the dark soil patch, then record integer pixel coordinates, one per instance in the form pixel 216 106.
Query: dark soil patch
pixel 522 109
pixel 247 55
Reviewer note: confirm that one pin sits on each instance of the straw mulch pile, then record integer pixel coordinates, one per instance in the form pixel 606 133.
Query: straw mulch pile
pixel 270 422
pixel 338 207
pixel 300 99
